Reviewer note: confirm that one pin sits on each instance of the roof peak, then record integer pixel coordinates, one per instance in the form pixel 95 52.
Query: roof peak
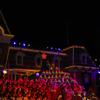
pixel 4 24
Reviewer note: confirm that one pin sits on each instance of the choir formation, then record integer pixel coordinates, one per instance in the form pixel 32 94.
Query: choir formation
pixel 38 89
pixel 52 84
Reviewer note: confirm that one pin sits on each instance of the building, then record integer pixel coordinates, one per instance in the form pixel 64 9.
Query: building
pixel 21 61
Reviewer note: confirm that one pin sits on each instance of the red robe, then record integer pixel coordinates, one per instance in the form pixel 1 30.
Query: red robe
pixel 54 94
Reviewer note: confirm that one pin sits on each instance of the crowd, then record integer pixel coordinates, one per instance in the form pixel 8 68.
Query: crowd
pixel 38 89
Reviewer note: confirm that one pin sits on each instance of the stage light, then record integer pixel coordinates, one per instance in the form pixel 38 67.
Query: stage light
pixel 37 74
pixel 14 43
pixel 24 44
pixel 4 72
pixel 51 48
pixel 47 47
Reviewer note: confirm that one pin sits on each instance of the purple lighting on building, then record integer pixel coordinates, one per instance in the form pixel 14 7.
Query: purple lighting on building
pixel 99 72
pixel 59 49
pixel 14 43
pixel 37 74
pixel 51 48
pixel 24 44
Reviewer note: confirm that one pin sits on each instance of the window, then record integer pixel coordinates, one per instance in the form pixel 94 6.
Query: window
pixel 19 59
pixel 56 62
pixel 0 51
pixel 86 80
pixel 83 59
pixel 38 61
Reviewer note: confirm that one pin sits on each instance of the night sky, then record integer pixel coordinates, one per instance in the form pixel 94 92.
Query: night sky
pixel 43 24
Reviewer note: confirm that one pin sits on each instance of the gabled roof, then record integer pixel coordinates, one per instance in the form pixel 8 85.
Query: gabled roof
pixel 4 24
pixel 79 57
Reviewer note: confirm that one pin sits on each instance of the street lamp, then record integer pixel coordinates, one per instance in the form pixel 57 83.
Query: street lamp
pixel 4 72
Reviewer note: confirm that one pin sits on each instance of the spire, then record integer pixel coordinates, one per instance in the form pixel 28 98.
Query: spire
pixel 3 24
pixel 5 34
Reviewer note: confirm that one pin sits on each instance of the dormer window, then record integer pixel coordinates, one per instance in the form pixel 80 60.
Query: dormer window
pixel 38 60
pixel 57 61
pixel 84 58
pixel 19 58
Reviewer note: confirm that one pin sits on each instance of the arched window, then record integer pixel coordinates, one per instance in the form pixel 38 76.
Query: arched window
pixel 83 59
pixel 19 59
pixel 38 61
pixel 56 62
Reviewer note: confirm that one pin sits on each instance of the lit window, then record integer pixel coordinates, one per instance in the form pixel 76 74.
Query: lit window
pixel 19 59
pixel 0 51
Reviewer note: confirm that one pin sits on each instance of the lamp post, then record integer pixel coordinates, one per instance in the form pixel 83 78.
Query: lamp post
pixel 4 72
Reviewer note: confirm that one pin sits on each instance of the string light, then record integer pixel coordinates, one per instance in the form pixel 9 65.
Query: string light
pixel 28 45
pixel 14 43
pixel 51 47
pixel 24 44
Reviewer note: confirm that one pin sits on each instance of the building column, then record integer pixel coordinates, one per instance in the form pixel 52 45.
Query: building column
pixel 94 81
pixel 11 76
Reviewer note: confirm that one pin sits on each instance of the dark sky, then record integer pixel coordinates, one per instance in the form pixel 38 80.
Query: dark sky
pixel 43 24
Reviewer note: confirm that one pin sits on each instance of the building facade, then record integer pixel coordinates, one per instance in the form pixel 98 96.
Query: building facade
pixel 21 61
